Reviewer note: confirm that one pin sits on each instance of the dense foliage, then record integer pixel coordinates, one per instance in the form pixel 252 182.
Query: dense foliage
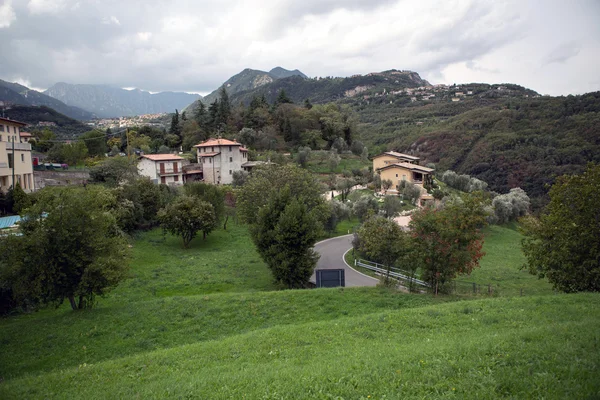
pixel 447 242
pixel 563 245
pixel 186 216
pixel 70 248
pixel 286 213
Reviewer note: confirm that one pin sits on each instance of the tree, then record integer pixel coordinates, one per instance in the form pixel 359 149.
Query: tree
pixel 365 207
pixel 175 129
pixel 267 180
pixel 391 206
pixel 284 234
pixel 563 245
pixel 113 171
pixel 282 98
pixel 21 200
pixel 386 184
pixel 345 186
pixel 95 141
pixel 447 242
pixel 239 178
pixel 213 194
pixel 186 216
pixel 510 206
pixel 383 241
pixel 303 156
pixel 70 248
pixel 307 104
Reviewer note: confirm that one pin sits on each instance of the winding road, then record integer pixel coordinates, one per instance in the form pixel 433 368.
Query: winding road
pixel 332 257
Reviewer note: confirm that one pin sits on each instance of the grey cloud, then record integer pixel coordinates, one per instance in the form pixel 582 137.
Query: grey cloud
pixel 562 53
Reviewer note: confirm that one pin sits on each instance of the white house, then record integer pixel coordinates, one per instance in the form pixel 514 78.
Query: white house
pixel 162 168
pixel 220 158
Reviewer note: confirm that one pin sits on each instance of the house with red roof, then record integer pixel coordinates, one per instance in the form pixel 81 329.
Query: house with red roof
pixel 220 158
pixel 162 168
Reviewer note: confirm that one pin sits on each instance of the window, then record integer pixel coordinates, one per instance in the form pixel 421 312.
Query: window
pixel 204 161
pixel 230 148
pixel 0 136
pixel 10 160
pixel 230 172
pixel 212 149
pixel 22 157
pixel 230 159
pixel 1 128
pixel 396 175
pixel 176 178
pixel 210 160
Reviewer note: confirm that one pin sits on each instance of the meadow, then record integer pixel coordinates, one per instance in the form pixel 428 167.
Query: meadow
pixel 208 322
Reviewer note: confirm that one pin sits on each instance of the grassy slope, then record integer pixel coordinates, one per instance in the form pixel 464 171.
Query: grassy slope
pixel 185 326
pixel 506 347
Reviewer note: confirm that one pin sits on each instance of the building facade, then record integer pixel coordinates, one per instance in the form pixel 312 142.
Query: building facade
pixel 220 158
pixel 391 157
pixel 162 168
pixel 15 157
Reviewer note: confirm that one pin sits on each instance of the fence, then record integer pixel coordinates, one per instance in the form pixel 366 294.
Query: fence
pixel 403 276
pixel 408 280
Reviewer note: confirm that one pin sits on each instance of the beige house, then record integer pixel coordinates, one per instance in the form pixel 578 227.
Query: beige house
pixel 15 156
pixel 162 168
pixel 391 157
pixel 412 173
pixel 220 158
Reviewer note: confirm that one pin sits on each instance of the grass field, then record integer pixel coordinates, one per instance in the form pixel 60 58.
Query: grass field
pixel 207 322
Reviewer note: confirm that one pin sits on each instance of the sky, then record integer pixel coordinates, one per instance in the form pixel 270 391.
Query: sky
pixel 550 46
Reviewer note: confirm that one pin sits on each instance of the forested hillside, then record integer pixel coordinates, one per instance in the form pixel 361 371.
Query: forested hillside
pixel 510 140
pixel 61 125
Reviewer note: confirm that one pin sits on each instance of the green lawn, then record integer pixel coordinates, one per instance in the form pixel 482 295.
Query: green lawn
pixel 528 347
pixel 207 322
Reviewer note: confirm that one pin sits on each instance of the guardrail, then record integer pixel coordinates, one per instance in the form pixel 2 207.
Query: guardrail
pixel 394 272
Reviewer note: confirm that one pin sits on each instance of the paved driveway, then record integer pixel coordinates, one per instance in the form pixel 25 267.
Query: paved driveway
pixel 332 257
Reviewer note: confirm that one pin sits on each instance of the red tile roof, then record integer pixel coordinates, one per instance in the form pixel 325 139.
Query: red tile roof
pixel 218 142
pixel 12 121
pixel 243 149
pixel 26 134
pixel 209 154
pixel 162 157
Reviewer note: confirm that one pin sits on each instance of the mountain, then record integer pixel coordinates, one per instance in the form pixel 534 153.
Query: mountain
pixel 249 79
pixel 324 90
pixel 109 102
pixel 43 117
pixel 279 73
pixel 13 93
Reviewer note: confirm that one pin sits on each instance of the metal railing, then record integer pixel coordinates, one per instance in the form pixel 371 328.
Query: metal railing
pixel 394 272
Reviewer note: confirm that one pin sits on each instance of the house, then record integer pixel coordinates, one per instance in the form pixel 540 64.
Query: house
pixel 392 157
pixel 403 171
pixel 456 99
pixel 220 158
pixel 15 157
pixel 164 168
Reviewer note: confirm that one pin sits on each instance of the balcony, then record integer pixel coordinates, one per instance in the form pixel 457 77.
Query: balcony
pixel 168 171
pixel 18 146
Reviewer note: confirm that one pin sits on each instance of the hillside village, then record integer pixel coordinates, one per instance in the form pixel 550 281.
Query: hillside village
pixel 168 244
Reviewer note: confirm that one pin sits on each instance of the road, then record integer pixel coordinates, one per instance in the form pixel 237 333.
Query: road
pixel 332 257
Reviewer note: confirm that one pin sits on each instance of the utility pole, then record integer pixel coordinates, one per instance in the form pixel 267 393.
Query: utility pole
pixel 13 162
pixel 128 151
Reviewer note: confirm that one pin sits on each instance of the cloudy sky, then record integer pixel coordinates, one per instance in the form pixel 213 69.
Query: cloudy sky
pixel 551 46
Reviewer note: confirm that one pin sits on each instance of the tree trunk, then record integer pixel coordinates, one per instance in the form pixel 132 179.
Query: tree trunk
pixel 225 224
pixel 72 301
pixel 80 302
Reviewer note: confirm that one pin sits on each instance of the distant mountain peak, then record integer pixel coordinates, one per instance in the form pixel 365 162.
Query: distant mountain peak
pixel 280 72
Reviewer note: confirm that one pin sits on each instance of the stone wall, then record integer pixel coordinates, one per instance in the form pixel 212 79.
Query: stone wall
pixel 59 178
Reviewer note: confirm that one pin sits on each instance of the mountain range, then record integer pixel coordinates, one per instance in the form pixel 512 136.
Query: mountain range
pixel 109 102
pixel 298 87
pixel 15 94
